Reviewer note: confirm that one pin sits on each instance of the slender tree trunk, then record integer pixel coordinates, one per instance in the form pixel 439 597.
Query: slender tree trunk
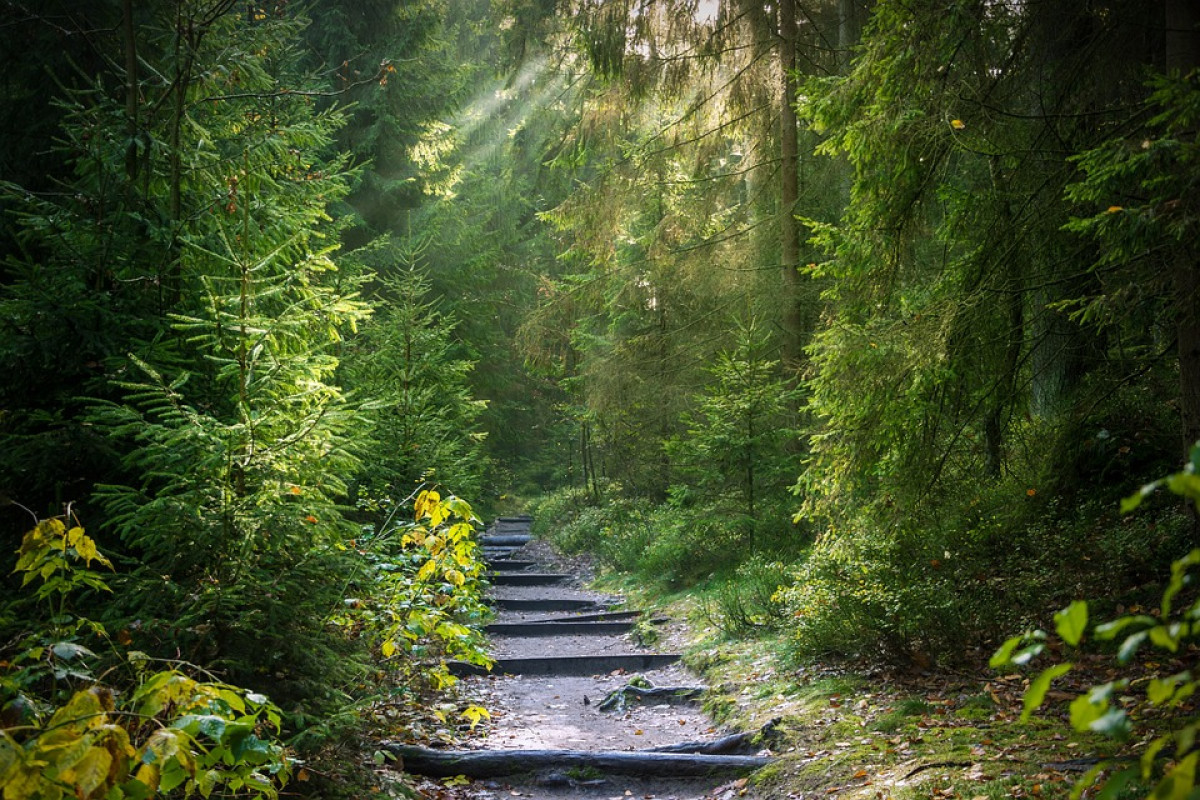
pixel 1013 288
pixel 789 194
pixel 131 92
pixel 175 158
pixel 850 21
pixel 1183 57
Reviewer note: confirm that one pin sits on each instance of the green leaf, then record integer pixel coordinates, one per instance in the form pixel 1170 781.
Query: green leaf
pixel 1166 636
pixel 1130 503
pixel 1003 656
pixel 1084 712
pixel 1035 695
pixel 1117 783
pixel 133 789
pixel 1185 484
pixel 1071 622
pixel 70 650
pixel 1185 739
pixel 1130 646
pixel 1006 657
pixel 1089 778
pixel 1113 723
pixel 1178 578
pixel 1151 753
pixel 172 776
pixel 1110 630
pixel 1161 690
pixel 1178 782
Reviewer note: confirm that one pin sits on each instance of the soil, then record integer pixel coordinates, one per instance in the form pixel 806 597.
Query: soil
pixel 561 712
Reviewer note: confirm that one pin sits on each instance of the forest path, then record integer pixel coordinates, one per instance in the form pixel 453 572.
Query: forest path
pixel 560 649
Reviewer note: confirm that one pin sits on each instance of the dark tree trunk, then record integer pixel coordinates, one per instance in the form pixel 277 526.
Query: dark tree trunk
pixel 1182 57
pixel 789 190
pixel 131 92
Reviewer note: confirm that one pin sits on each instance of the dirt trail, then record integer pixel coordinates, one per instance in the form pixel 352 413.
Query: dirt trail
pixel 553 711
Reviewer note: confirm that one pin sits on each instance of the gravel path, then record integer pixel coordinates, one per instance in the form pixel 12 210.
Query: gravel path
pixel 556 712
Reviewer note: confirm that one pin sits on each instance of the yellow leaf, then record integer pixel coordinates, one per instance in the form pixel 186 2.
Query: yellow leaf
pixel 90 773
pixel 1114 209
pixel 957 124
pixel 389 648
pixel 147 775
pixel 74 536
pixel 473 714
pixel 438 515
pixel 86 548
pixel 426 571
pixel 455 577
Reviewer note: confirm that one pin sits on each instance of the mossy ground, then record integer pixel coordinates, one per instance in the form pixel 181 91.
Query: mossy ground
pixel 870 732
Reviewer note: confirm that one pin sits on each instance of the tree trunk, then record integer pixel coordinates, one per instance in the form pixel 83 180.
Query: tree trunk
pixel 850 22
pixel 1183 57
pixel 131 92
pixel 789 190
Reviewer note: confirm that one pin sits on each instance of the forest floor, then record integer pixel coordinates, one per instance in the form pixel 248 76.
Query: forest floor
pixel 855 731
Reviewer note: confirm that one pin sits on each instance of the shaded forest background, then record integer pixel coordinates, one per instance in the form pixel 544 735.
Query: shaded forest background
pixel 868 312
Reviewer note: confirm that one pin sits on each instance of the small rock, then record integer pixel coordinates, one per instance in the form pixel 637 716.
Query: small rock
pixel 553 780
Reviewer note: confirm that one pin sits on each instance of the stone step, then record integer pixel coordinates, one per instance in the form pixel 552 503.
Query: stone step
pixel 568 665
pixel 558 628
pixel 547 604
pixel 600 616
pixel 509 564
pixel 505 540
pixel 527 578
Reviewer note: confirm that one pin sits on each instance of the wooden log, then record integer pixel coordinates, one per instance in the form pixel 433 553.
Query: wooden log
pixel 726 745
pixel 500 763
pixel 618 699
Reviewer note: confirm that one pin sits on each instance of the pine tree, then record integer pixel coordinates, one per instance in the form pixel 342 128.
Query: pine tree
pixel 410 366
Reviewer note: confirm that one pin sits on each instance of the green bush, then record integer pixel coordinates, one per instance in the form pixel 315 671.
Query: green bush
pixel 748 601
pixel 137 731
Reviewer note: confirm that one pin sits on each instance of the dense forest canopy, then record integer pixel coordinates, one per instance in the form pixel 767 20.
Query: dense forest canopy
pixel 882 305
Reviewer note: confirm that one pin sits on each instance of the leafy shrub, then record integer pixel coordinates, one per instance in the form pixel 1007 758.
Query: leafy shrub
pixel 748 601
pixel 65 734
pixel 423 590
